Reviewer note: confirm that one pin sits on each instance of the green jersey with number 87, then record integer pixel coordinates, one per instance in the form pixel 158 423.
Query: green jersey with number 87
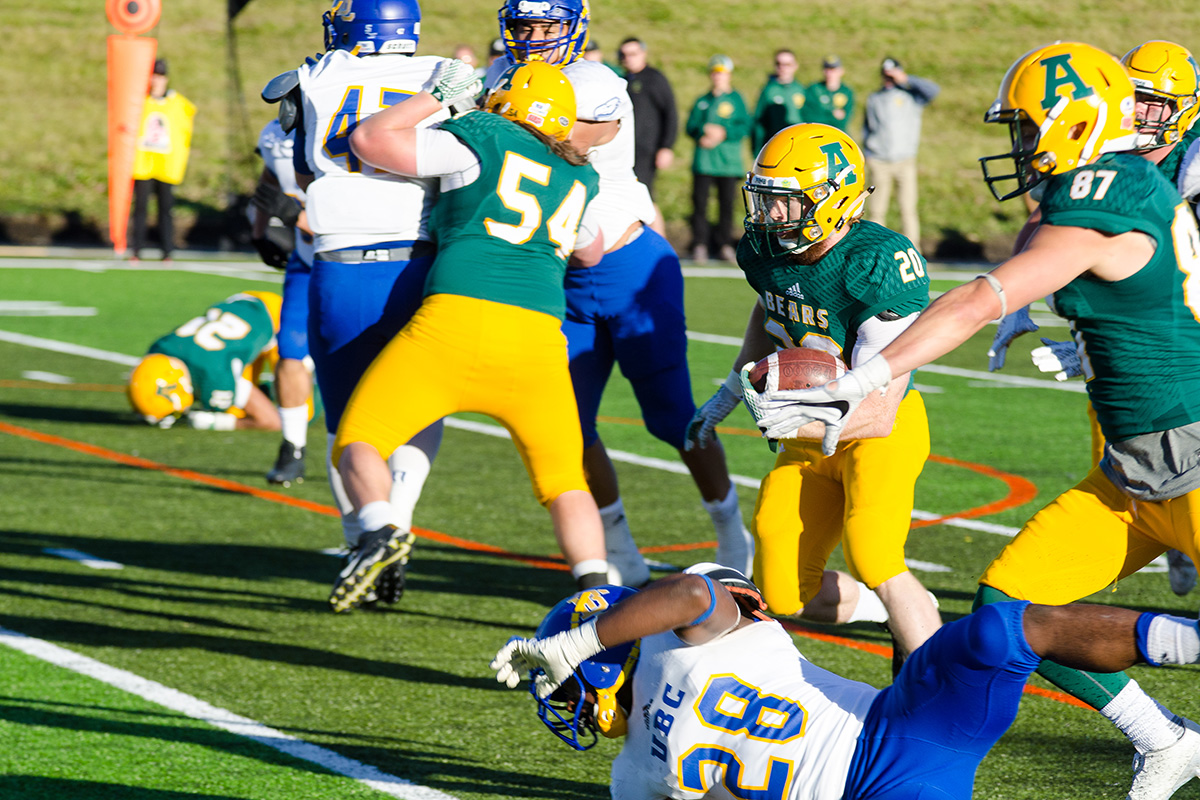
pixel 506 236
pixel 871 271
pixel 217 346
pixel 1140 335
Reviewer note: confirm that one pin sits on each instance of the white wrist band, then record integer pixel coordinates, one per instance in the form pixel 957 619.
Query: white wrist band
pixel 999 290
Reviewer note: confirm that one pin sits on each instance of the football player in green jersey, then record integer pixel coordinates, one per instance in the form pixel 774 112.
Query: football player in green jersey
pixel 1119 250
pixel 207 368
pixel 828 280
pixel 488 336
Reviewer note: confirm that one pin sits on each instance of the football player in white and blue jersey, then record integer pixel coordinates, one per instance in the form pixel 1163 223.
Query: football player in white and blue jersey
pixel 628 309
pixel 713 700
pixel 372 249
pixel 279 196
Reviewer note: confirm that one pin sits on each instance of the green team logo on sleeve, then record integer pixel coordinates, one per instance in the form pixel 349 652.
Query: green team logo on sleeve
pixel 1059 73
pixel 838 162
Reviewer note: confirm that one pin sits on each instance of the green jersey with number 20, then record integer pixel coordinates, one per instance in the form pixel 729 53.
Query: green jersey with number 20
pixel 1140 335
pixel 871 271
pixel 217 346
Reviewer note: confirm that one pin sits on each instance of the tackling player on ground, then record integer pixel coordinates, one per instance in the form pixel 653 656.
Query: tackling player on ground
pixel 1120 252
pixel 714 701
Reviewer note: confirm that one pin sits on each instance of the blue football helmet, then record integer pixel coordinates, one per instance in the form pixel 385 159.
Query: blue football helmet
pixel 586 703
pixel 366 27
pixel 560 49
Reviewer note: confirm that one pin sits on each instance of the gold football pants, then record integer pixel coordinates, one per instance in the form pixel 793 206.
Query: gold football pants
pixel 1088 538
pixel 464 354
pixel 861 496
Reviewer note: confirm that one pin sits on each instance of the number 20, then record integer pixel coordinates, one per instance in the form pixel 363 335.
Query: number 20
pixel 912 266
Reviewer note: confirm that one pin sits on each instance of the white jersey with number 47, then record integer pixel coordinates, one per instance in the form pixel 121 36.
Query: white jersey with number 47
pixel 743 716
pixel 350 203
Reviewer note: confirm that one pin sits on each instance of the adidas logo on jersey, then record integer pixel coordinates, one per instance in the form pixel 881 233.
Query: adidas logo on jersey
pixel 794 291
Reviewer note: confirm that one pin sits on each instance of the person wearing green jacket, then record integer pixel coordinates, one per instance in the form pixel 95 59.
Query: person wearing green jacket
pixel 718 122
pixel 829 101
pixel 780 103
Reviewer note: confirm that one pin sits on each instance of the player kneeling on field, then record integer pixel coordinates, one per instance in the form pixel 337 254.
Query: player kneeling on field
pixel 719 696
pixel 207 368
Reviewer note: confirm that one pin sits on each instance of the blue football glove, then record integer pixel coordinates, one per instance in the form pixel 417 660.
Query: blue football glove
pixel 700 431
pixel 781 413
pixel 1061 358
pixel 1009 328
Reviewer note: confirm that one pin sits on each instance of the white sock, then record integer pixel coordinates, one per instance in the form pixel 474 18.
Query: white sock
pixel 374 516
pixel 295 425
pixel 351 530
pixel 735 545
pixel 1173 640
pixel 869 608
pixel 626 567
pixel 1143 719
pixel 410 467
pixel 590 566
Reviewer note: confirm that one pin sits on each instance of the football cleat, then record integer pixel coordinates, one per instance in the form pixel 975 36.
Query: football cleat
pixel 376 551
pixel 1181 572
pixel 389 586
pixel 1156 775
pixel 289 465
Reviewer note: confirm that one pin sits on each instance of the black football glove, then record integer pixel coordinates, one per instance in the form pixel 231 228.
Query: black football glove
pixel 272 201
pixel 271 254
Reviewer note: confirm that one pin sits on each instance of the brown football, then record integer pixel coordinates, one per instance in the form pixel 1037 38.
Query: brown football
pixel 799 368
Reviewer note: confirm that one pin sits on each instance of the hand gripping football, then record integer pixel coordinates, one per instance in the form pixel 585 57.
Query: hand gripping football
pixel 798 368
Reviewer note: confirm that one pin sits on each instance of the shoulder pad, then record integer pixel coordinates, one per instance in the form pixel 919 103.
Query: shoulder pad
pixel 887 316
pixel 281 86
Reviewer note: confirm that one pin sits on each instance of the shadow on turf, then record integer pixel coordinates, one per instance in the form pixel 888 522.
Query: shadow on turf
pixel 89 416
pixel 28 786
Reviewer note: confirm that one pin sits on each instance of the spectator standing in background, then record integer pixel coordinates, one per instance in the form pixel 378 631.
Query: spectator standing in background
pixel 495 50
pixel 891 136
pixel 656 120
pixel 718 122
pixel 780 103
pixel 829 101
pixel 163 144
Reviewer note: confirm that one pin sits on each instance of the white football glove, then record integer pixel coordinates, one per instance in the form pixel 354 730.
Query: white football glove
pixel 454 81
pixel 211 420
pixel 781 413
pixel 713 412
pixel 1061 358
pixel 557 655
pixel 1009 328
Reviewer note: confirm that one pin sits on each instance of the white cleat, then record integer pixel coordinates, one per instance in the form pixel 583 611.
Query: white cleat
pixel 1156 775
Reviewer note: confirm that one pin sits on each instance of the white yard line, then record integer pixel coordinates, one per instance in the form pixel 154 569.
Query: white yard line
pixel 82 558
pixel 218 717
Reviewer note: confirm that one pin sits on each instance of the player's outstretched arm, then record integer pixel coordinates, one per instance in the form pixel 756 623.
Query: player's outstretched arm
pixel 387 140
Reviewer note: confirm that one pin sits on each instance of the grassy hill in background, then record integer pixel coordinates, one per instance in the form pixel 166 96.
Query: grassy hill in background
pixel 53 179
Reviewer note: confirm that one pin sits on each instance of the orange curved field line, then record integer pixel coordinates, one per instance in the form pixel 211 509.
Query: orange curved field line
pixel 454 541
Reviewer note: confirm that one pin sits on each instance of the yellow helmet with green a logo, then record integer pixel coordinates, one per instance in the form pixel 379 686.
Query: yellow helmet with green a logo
pixel 1065 104
pixel 809 180
pixel 160 387
pixel 1164 74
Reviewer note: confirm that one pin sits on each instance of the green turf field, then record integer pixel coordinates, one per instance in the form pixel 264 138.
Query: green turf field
pixel 214 669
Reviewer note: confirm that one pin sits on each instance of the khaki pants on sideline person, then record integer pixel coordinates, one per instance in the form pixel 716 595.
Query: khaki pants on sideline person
pixel 904 174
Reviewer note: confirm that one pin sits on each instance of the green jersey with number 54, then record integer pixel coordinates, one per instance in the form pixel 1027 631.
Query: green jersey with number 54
pixel 217 346
pixel 1141 335
pixel 506 236
pixel 872 271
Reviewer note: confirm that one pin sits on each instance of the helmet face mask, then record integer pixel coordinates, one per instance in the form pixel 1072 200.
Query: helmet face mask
pixel 594 700
pixel 367 27
pixel 550 31
pixel 807 183
pixel 1167 80
pixel 1079 101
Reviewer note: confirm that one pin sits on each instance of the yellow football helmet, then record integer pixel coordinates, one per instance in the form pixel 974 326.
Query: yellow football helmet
pixel 1065 104
pixel 160 387
pixel 808 181
pixel 536 94
pixel 1166 77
